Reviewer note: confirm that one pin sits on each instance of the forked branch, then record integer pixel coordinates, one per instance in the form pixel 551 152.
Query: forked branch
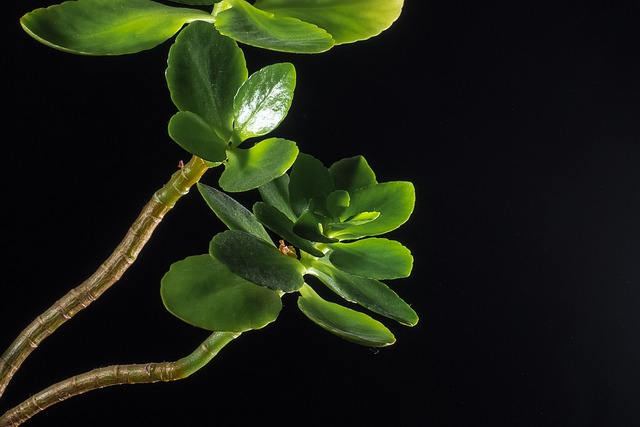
pixel 107 274
pixel 118 375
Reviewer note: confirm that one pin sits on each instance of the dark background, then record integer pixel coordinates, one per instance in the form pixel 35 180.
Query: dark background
pixel 518 123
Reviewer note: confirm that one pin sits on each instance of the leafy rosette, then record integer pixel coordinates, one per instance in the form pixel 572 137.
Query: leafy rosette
pixel 221 106
pixel 331 219
pixel 333 216
pixel 118 27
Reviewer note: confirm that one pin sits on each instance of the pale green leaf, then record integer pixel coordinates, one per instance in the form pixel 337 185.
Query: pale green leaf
pixel 346 20
pixel 107 27
pixel 241 21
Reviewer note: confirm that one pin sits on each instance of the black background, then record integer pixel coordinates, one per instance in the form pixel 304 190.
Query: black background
pixel 518 123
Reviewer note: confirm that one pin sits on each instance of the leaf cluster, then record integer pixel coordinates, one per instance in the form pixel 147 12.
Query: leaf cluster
pixel 331 217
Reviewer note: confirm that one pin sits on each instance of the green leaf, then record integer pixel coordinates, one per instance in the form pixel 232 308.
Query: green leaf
pixel 369 293
pixel 346 20
pixel 107 27
pixel 394 201
pixel 280 224
pixel 263 101
pixel 309 227
pixel 352 173
pixel 202 292
pixel 250 168
pixel 231 213
pixel 257 261
pixel 276 193
pixel 243 22
pixel 194 134
pixel 344 322
pixel 308 178
pixel 374 258
pixel 205 70
pixel 196 2
pixel 337 201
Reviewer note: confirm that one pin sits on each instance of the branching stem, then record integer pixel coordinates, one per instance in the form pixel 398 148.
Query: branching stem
pixel 107 274
pixel 117 375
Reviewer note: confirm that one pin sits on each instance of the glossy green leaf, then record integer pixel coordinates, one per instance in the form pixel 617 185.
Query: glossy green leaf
pixel 241 21
pixel 394 201
pixel 375 258
pixel 280 224
pixel 232 213
pixel 250 168
pixel 276 193
pixel 257 261
pixel 369 293
pixel 204 293
pixel 344 322
pixel 205 70
pixel 262 102
pixel 308 178
pixel 352 173
pixel 194 134
pixel 107 27
pixel 346 20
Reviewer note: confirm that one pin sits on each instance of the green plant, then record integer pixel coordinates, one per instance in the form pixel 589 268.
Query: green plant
pixel 326 220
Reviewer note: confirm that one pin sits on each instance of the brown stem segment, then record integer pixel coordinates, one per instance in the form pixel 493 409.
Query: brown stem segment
pixel 107 274
pixel 118 375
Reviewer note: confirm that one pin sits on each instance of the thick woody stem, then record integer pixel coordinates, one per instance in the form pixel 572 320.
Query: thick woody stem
pixel 118 375
pixel 107 274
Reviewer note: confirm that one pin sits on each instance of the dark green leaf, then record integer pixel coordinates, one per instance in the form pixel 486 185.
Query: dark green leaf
pixel 309 227
pixel 344 322
pixel 202 292
pixel 374 258
pixel 308 178
pixel 194 134
pixel 254 167
pixel 231 213
pixel 243 22
pixel 205 70
pixel 257 261
pixel 278 222
pixel 263 101
pixel 369 293
pixel 107 27
pixel 276 193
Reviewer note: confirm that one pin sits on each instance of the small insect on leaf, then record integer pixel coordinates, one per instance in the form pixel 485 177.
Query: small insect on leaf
pixel 287 250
